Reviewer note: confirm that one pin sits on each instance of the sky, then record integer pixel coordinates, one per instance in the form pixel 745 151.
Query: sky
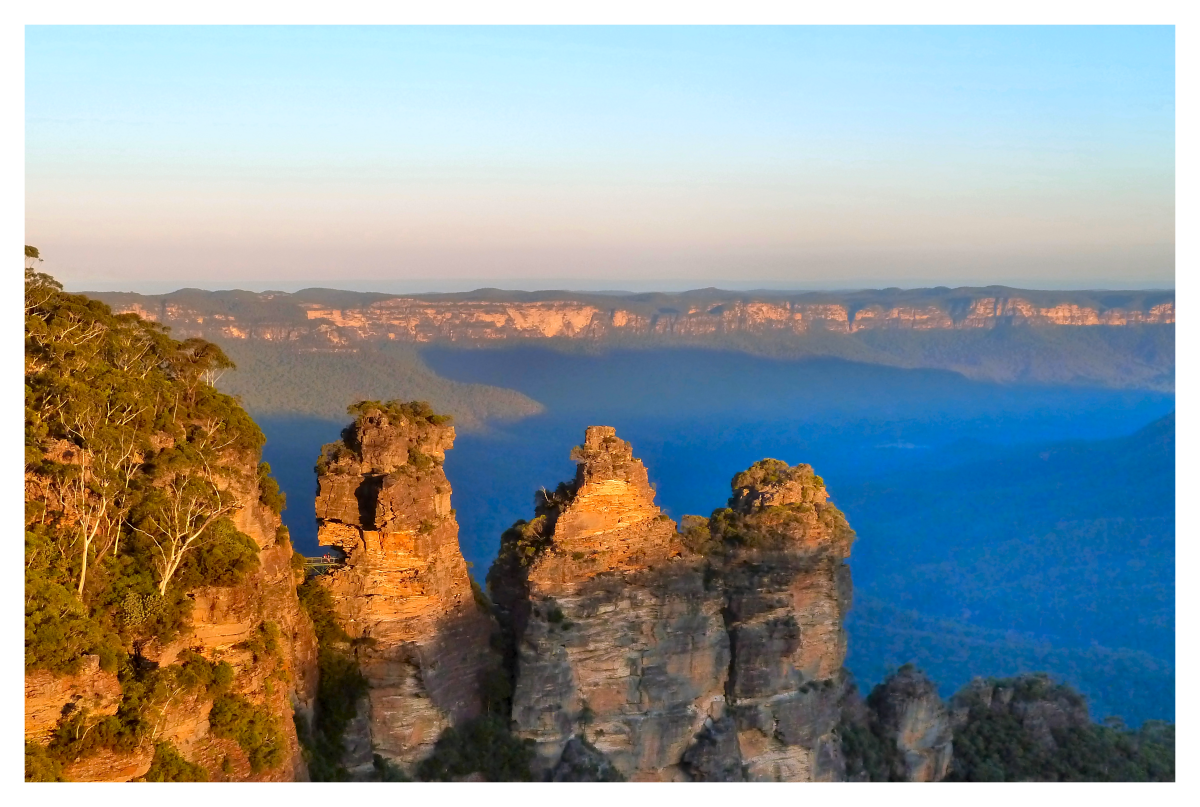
pixel 447 158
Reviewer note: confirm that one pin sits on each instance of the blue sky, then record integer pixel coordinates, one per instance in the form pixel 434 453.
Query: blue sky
pixel 445 158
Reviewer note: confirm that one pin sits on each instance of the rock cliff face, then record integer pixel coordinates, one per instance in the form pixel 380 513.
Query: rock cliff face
pixel 463 318
pixel 616 637
pixel 787 590
pixel 678 656
pixel 1039 705
pixel 223 627
pixel 911 716
pixel 403 593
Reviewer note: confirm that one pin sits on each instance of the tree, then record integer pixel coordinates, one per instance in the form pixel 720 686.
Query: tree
pixel 175 517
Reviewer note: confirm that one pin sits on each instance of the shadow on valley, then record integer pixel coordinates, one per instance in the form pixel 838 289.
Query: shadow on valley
pixel 1001 529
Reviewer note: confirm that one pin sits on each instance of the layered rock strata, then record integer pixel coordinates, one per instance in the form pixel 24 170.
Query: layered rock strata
pixel 225 622
pixel 911 716
pixel 617 639
pixel 710 655
pixel 781 547
pixel 403 593
pixel 287 318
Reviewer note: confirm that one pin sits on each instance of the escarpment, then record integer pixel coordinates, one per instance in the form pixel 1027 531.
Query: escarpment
pixel 341 319
pixel 711 654
pixel 245 648
pixel 163 635
pixel 402 592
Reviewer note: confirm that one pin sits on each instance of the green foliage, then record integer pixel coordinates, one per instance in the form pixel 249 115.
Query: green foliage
pixel 170 766
pixel 996 745
pixel 867 754
pixel 696 535
pixel 484 745
pixel 340 686
pixel 133 451
pixel 58 630
pixel 387 771
pixel 523 542
pixel 279 379
pixel 196 672
pixel 331 457
pixel 318 604
pixel 480 596
pixel 268 490
pixel 255 730
pixel 264 642
pixel 397 412
pixel 224 559
pixel 144 689
pixel 41 765
pixel 418 460
pixel 764 472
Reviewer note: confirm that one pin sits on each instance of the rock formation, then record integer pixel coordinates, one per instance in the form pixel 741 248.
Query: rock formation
pixel 617 639
pixel 403 592
pixel 224 625
pixel 781 551
pixel 345 319
pixel 714 654
pixel 910 715
pixel 1041 706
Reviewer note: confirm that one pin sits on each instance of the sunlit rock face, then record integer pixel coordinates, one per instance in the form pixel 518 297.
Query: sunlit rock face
pixel 222 621
pixel 403 593
pixel 678 659
pixel 288 318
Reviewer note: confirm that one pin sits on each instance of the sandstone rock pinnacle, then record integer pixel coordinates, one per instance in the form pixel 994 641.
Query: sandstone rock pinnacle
pixel 404 590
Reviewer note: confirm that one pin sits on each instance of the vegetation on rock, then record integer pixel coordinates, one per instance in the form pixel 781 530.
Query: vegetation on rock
pixel 256 731
pixel 170 766
pixel 341 685
pixel 130 457
pixel 135 466
pixel 481 746
pixel 1020 739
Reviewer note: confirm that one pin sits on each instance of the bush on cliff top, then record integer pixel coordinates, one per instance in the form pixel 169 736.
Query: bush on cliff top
pixel 398 411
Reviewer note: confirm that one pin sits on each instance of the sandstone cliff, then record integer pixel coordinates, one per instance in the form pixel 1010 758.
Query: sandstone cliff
pixel 616 637
pixel 341 319
pixel 714 654
pixel 255 626
pixel 781 563
pixel 403 593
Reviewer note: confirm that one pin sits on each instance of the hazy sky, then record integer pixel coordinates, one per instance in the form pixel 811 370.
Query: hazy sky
pixel 448 158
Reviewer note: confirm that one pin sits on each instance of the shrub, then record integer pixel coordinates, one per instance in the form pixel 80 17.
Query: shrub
pixel 268 490
pixel 264 642
pixel 418 460
pixel 483 745
pixel 340 686
pixel 41 765
pixel 255 730
pixel 170 766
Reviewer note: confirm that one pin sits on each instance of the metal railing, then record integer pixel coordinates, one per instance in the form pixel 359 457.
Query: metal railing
pixel 322 565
